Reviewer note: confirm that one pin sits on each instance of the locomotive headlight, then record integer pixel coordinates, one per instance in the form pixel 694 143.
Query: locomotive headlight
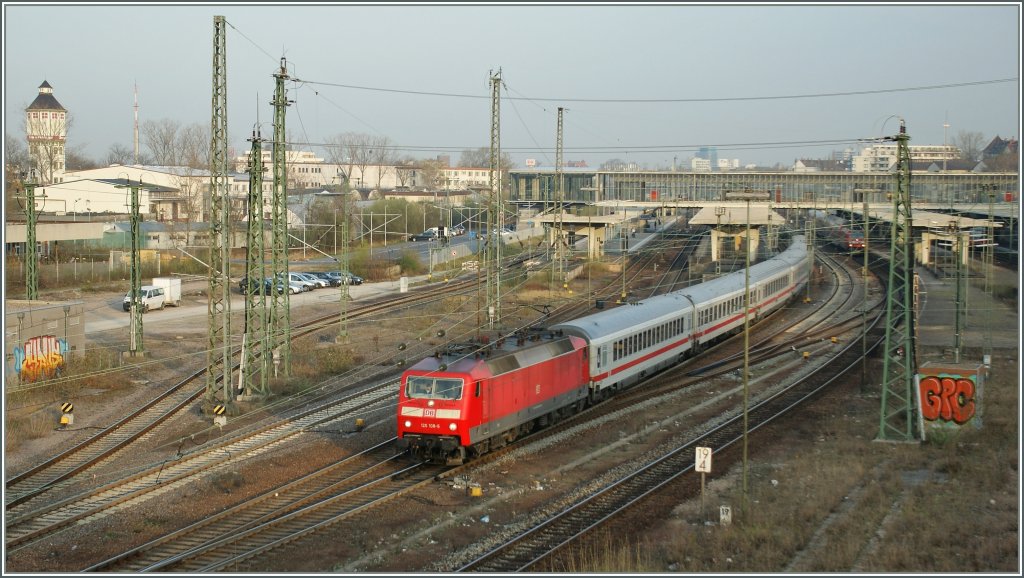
pixel 408 423
pixel 451 426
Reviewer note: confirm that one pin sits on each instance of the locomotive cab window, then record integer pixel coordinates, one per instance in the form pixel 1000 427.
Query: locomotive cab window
pixel 421 387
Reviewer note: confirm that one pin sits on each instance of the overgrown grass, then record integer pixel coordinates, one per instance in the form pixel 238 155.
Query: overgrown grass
pixel 32 409
pixel 829 498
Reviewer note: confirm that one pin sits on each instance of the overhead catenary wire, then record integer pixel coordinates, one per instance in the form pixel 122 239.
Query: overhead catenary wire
pixel 675 100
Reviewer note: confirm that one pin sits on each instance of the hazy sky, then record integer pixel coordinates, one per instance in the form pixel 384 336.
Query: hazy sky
pixel 725 67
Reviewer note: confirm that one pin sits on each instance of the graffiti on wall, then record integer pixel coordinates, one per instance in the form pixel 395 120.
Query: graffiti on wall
pixel 40 357
pixel 949 398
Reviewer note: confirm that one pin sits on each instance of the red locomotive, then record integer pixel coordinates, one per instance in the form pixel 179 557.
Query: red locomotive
pixel 474 398
pixel 839 231
pixel 468 400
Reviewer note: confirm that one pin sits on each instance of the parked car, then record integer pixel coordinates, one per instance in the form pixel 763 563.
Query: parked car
pixel 346 277
pixel 303 283
pixel 245 285
pixel 428 235
pixel 149 297
pixel 316 281
pixel 326 276
pixel 458 230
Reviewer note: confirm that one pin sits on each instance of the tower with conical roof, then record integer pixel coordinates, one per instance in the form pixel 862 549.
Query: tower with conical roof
pixel 47 128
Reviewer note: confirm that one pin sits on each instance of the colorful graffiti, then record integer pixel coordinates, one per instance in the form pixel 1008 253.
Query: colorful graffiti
pixel 948 398
pixel 40 357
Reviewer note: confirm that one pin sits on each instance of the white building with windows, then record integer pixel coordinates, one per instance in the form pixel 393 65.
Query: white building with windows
pixel 459 178
pixel 883 157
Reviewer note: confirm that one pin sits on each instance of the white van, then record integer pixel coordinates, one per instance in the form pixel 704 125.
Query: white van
pixel 152 298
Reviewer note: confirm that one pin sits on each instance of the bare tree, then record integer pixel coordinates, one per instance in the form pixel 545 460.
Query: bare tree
pixel 334 153
pixel 969 143
pixel 15 154
pixel 358 150
pixel 1004 163
pixel 161 138
pixel 76 160
pixel 118 154
pixel 382 155
pixel 481 158
pixel 613 165
pixel 351 151
pixel 405 168
pixel 432 172
pixel 194 146
pixel 16 163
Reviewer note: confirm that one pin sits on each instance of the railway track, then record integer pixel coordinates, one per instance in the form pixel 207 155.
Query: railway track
pixel 232 546
pixel 529 548
pixel 46 519
pixel 202 544
pixel 262 530
pixel 28 493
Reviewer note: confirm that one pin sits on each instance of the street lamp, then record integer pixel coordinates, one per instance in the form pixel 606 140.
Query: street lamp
pixel 748 195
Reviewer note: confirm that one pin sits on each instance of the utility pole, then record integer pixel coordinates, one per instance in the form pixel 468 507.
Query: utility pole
pixel 899 407
pixel 495 211
pixel 280 305
pixel 255 358
pixel 747 196
pixel 31 252
pixel 218 351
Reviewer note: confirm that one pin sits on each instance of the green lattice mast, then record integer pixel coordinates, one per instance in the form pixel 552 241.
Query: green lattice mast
pixel 495 217
pixel 135 331
pixel 218 351
pixel 899 406
pixel 255 360
pixel 280 314
pixel 31 252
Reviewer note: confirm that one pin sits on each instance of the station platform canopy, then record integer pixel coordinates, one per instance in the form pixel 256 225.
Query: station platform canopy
pixel 929 219
pixel 735 213
pixel 593 220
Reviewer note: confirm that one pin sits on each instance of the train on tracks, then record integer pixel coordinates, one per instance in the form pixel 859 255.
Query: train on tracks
pixel 477 397
pixel 839 231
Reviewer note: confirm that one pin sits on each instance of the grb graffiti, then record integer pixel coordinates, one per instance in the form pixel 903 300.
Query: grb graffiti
pixel 948 398
pixel 40 358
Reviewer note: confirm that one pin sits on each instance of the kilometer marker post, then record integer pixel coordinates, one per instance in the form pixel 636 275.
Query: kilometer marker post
pixel 702 463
